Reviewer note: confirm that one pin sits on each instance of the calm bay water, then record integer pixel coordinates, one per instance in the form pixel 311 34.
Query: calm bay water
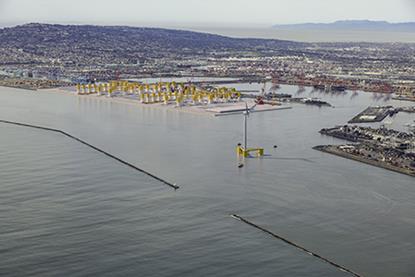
pixel 307 35
pixel 68 210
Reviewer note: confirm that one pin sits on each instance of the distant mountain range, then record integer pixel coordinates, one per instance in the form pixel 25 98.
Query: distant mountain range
pixel 352 25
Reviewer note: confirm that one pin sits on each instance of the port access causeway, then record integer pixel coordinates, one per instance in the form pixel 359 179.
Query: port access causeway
pixel 338 151
pixel 386 148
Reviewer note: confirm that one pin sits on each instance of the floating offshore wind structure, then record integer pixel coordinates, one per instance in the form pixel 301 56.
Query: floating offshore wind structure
pixel 245 151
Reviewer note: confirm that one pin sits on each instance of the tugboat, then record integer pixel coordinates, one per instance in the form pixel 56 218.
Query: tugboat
pixel 338 88
pixel 315 101
pixel 278 95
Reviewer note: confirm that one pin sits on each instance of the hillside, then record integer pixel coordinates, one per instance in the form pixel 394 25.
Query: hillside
pixel 86 41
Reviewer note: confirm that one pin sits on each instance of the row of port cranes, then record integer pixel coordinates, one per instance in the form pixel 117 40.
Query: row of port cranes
pixel 162 92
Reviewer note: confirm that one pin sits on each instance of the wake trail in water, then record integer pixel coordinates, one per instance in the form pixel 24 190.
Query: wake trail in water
pixel 288 159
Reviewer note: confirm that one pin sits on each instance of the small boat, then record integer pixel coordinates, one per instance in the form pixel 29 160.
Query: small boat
pixel 315 101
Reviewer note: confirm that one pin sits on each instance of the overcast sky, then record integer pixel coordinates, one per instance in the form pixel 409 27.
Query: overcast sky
pixel 228 12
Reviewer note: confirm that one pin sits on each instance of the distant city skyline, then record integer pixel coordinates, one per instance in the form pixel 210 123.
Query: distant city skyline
pixel 202 12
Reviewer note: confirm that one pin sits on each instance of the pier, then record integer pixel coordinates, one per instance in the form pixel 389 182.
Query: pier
pixel 379 113
pixel 373 114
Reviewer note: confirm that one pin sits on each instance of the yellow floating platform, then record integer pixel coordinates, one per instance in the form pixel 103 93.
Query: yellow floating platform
pixel 259 152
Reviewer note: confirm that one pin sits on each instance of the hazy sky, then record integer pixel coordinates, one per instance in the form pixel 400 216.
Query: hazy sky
pixel 228 12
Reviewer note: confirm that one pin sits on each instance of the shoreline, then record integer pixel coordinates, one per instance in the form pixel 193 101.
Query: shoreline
pixel 239 80
pixel 17 87
pixel 331 150
pixel 403 98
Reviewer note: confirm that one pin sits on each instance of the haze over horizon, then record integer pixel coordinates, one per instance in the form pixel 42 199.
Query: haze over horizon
pixel 163 13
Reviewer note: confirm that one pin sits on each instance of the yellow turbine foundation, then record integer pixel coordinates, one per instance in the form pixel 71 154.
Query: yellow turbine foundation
pixel 259 152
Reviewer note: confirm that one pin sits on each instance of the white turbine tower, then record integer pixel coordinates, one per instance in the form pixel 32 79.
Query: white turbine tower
pixel 244 151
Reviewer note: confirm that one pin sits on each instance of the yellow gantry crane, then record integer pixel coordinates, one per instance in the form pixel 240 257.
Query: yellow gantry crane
pixel 166 93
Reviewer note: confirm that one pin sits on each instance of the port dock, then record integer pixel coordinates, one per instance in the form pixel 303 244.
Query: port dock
pixel 373 114
pixel 379 113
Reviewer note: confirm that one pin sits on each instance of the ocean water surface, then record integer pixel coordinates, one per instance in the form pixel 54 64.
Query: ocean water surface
pixel 69 210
